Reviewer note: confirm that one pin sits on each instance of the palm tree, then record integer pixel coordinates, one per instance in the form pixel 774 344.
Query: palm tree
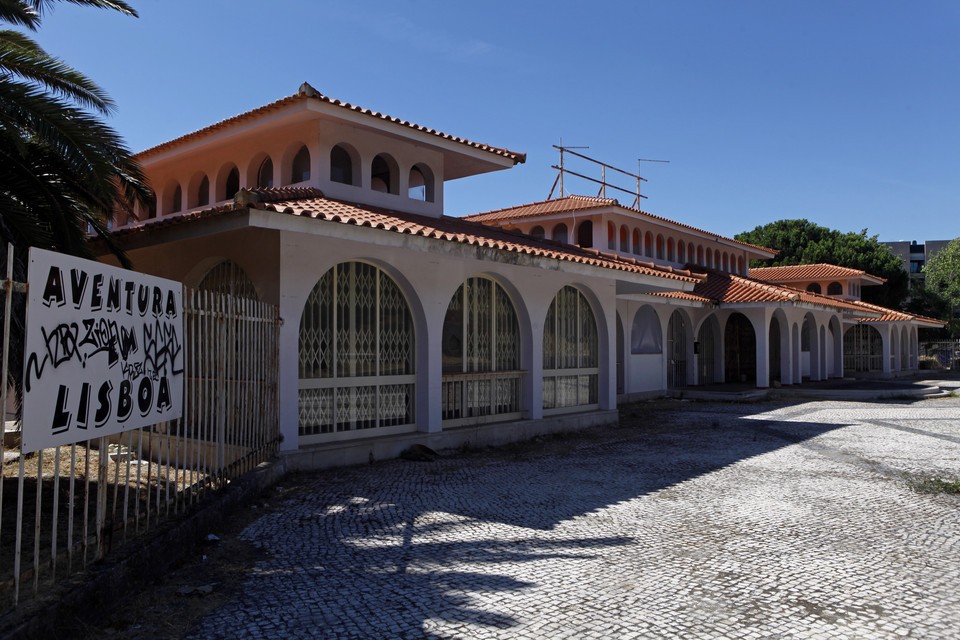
pixel 65 173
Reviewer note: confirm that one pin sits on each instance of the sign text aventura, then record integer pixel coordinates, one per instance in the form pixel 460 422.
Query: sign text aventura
pixel 104 351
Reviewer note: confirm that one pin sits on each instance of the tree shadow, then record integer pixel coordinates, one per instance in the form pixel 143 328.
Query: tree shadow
pixel 394 549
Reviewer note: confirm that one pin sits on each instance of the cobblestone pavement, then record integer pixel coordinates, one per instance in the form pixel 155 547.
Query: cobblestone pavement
pixel 692 520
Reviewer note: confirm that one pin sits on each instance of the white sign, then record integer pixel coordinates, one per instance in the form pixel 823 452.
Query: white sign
pixel 104 351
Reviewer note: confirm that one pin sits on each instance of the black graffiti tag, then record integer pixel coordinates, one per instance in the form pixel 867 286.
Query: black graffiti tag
pixel 70 342
pixel 60 346
pixel 162 348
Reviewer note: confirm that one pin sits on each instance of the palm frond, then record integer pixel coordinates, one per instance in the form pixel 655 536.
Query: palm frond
pixel 42 6
pixel 20 56
pixel 19 13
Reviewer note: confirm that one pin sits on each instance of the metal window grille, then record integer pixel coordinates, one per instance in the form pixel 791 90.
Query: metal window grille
pixel 571 352
pixel 677 351
pixel 481 354
pixel 356 355
pixel 69 506
pixel 862 349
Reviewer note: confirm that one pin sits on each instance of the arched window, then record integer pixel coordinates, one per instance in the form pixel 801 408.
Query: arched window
pixel 670 254
pixel 624 239
pixel 700 255
pixel 677 352
pixel 176 200
pixel 300 170
pixel 646 336
pixel 660 248
pixel 637 246
pixel 203 192
pixel 740 265
pixel 814 287
pixel 537 232
pixel 681 251
pixel 862 349
pixel 726 262
pixel 481 336
pixel 341 166
pixel 265 173
pixel 560 233
pixel 648 245
pixel 834 289
pixel 611 236
pixel 232 185
pixel 740 349
pixel 382 175
pixel 228 278
pixel 709 263
pixel 356 354
pixel 585 234
pixel 420 184
pixel 571 354
pixel 805 335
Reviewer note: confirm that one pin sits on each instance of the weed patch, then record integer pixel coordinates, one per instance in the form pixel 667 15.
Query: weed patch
pixel 935 485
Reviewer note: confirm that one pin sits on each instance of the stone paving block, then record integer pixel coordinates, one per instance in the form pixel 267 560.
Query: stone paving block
pixel 708 520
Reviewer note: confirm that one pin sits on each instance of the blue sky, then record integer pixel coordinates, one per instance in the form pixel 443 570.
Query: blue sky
pixel 842 113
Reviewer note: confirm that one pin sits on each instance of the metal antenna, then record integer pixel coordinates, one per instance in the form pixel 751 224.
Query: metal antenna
pixel 559 180
pixel 639 172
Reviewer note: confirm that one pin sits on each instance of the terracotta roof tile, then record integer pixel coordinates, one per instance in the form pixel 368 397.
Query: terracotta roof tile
pixel 727 288
pixel 310 203
pixel 584 203
pixel 305 93
pixel 684 295
pixel 892 315
pixel 810 272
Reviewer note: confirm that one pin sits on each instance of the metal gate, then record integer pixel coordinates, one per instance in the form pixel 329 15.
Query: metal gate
pixel 707 345
pixel 676 351
pixel 66 507
pixel 862 349
pixel 775 370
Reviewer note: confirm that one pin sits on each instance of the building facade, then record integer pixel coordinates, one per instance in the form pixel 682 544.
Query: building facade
pixel 399 320
pixel 915 255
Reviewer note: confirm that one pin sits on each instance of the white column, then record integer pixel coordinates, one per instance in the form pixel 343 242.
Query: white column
pixel 760 319
pixel 289 374
pixel 885 340
pixel 796 366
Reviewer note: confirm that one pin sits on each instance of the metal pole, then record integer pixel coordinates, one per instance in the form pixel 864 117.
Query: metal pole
pixel 561 168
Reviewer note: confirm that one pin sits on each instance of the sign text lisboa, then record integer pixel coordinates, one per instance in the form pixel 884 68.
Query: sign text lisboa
pixel 104 351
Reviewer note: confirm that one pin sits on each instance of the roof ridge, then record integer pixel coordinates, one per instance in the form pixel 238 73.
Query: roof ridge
pixel 811 264
pixel 527 204
pixel 308 92
pixel 615 202
pixel 600 258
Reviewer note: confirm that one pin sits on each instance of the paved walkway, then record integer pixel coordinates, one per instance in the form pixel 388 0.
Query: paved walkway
pixel 696 521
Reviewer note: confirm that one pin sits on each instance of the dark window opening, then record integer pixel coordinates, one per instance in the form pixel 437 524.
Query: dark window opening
pixel 341 166
pixel 300 172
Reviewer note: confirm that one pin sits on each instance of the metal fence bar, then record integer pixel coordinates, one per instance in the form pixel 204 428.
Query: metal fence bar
pixel 54 530
pixel 71 505
pixel 229 426
pixel 19 539
pixel 7 315
pixel 37 522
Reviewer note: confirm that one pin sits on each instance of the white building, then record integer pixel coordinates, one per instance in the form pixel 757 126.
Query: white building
pixel 401 323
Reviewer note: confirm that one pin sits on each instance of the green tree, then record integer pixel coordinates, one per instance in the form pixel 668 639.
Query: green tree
pixel 942 276
pixel 803 242
pixel 65 172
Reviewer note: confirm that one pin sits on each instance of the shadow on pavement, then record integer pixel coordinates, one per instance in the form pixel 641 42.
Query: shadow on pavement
pixel 380 551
